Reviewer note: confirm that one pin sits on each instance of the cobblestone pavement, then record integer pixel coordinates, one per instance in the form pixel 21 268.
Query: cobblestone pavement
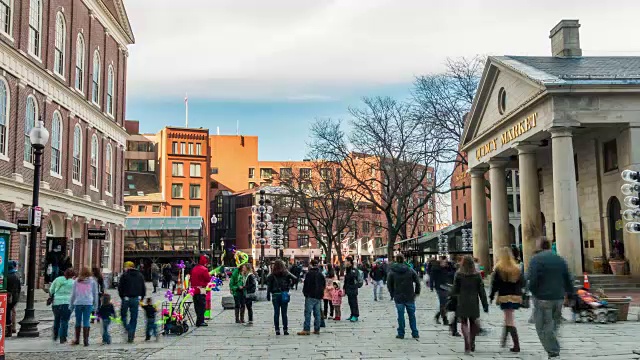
pixel 373 337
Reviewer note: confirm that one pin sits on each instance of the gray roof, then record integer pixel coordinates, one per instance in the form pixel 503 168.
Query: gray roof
pixel 576 70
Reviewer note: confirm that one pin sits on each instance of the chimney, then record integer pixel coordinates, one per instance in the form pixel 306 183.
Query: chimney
pixel 565 39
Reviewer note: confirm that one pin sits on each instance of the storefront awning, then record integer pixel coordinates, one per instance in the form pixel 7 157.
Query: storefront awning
pixel 163 223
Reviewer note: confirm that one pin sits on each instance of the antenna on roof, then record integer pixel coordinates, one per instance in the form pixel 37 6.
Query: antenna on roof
pixel 218 130
pixel 186 110
pixel 237 127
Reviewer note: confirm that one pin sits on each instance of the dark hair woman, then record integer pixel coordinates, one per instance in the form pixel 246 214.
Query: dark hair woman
pixel 469 288
pixel 278 285
pixel 97 274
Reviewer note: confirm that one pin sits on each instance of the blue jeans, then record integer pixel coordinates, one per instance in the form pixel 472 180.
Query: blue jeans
pixel 377 289
pixel 130 305
pixel 61 316
pixel 279 307
pixel 83 315
pixel 106 338
pixel 312 305
pixel 547 315
pixel 152 328
pixel 411 311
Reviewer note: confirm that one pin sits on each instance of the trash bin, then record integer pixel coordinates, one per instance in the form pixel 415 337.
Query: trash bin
pixel 622 304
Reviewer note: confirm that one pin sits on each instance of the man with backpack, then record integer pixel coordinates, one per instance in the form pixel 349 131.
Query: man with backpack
pixel 353 280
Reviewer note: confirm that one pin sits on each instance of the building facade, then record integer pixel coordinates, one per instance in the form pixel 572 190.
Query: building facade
pixel 65 62
pixel 569 124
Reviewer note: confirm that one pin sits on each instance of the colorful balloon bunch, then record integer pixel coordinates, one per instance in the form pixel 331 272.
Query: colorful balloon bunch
pixel 181 265
pixel 168 295
pixel 215 283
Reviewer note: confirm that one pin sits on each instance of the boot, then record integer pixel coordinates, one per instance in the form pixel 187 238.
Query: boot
pixel 515 338
pixel 473 332
pixel 505 333
pixel 437 317
pixel 242 317
pixel 85 336
pixel 443 314
pixel 76 340
pixel 237 316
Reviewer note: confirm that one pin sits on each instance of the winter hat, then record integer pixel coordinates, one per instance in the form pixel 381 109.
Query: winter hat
pixel 13 266
pixel 336 282
pixel 128 265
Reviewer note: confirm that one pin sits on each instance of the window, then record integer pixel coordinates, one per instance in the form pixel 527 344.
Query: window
pixel 80 63
pixel 4 117
pixel 58 65
pixel 378 227
pixel 190 148
pixel 457 214
pixel 110 87
pixel 29 123
pixel 155 208
pixel 464 189
pixel 610 155
pixel 464 210
pixel 252 185
pixel 194 170
pixel 509 178
pixel 214 184
pixel 6 16
pixel 510 203
pixel 142 208
pixel 194 210
pixel 366 227
pixel 183 148
pixel 35 27
pixel 325 174
pixel 338 175
pixel 95 80
pixel 303 224
pixel 108 165
pixel 303 240
pixel 94 161
pixel 265 173
pixel 77 151
pixel 176 191
pixel 252 173
pixel 127 208
pixel 176 211
pixel 177 169
pixel 132 186
pixel 518 203
pixel 194 191
pixel 174 147
pixel 286 173
pixel 198 149
pixel 214 171
pixel 517 176
pixel 56 142
pixel 305 174
pixel 502 101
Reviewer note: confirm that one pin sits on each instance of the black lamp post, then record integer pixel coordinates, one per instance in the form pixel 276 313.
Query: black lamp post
pixel 38 137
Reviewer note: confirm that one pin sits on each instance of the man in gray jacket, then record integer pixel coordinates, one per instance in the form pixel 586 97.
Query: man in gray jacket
pixel 404 285
pixel 550 284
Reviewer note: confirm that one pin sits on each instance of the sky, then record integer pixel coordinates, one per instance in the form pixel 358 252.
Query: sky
pixel 270 67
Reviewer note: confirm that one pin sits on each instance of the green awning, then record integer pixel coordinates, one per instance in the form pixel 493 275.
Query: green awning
pixel 163 223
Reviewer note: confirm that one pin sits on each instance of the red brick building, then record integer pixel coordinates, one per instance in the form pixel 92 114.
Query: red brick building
pixel 65 61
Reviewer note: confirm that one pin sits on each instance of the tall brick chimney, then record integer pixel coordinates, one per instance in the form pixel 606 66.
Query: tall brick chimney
pixel 565 39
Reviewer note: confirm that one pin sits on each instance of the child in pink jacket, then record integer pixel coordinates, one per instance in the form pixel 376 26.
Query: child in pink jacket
pixel 327 298
pixel 336 299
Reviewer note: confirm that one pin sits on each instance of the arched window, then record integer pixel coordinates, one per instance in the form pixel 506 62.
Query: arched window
pixel 29 123
pixel 4 117
pixel 77 153
pixel 108 166
pixel 95 81
pixel 6 16
pixel 94 161
pixel 56 142
pixel 61 34
pixel 35 27
pixel 110 84
pixel 80 63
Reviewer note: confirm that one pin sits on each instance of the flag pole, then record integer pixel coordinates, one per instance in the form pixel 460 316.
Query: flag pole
pixel 186 110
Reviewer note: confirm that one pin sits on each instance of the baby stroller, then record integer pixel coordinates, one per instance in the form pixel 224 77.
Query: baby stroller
pixel 589 308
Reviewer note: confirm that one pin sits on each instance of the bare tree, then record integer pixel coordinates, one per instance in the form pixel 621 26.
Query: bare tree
pixel 319 196
pixel 389 157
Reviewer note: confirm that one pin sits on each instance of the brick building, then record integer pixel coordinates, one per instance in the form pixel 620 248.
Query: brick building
pixel 65 61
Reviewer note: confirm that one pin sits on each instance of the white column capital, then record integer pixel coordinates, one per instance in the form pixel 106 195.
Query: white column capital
pixel 561 131
pixel 498 163
pixel 477 172
pixel 525 147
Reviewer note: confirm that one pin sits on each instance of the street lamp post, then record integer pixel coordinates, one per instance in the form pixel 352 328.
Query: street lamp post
pixel 263 227
pixel 632 189
pixel 278 236
pixel 214 221
pixel 38 137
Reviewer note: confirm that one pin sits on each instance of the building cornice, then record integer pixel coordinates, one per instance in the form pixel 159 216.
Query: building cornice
pixel 30 74
pixel 123 36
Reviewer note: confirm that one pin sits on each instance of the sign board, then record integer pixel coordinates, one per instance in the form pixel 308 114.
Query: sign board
pixel 5 236
pixel 97 234
pixel 37 216
pixel 3 322
pixel 23 226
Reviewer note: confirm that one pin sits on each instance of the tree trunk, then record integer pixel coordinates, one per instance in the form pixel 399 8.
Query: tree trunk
pixel 391 241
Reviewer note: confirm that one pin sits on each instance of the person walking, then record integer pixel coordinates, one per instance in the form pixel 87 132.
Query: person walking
pixel 351 288
pixel 200 278
pixel 279 283
pixel 106 312
pixel 404 286
pixel 155 276
pixel 507 283
pixel 377 277
pixel 313 291
pixel 131 289
pixel 13 289
pixel 97 275
pixel 61 290
pixel 441 279
pixel 550 284
pixel 150 312
pixel 166 276
pixel 296 270
pixel 469 289
pixel 84 298
pixel 249 279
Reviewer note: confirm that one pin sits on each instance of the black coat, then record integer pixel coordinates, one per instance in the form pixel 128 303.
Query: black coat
pixel 314 284
pixel 469 289
pixel 280 283
pixel 132 284
pixel 351 281
pixel 403 284
pixel 13 287
pixel 507 291
pixel 378 273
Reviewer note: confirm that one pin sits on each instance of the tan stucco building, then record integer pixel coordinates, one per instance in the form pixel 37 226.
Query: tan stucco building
pixel 570 124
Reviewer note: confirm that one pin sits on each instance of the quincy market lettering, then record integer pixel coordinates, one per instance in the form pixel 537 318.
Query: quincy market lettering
pixel 509 135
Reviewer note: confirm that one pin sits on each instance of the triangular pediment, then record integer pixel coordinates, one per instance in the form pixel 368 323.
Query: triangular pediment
pixel 486 111
pixel 117 10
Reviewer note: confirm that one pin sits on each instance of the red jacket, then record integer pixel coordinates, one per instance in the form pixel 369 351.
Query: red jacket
pixel 200 277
